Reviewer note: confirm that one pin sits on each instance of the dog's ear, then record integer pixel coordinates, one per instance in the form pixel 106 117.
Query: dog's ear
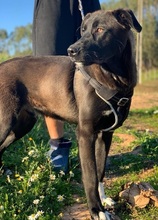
pixel 87 16
pixel 83 25
pixel 85 19
pixel 127 19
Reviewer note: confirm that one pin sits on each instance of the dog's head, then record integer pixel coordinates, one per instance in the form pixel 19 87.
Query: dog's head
pixel 104 35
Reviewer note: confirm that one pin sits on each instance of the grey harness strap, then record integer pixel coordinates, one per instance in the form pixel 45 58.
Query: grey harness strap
pixel 107 95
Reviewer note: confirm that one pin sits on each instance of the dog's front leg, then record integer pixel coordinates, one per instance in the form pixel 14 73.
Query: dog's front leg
pixel 102 148
pixel 86 140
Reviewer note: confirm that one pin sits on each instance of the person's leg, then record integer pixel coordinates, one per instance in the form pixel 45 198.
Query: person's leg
pixel 55 128
pixel 59 146
pixel 50 24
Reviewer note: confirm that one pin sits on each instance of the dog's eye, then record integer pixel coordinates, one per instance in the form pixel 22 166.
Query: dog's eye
pixel 99 30
pixel 83 28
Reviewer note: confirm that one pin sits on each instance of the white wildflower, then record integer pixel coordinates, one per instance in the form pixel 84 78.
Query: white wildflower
pixel 20 191
pixel 60 198
pixel 34 177
pixel 78 200
pixel 1 208
pixel 36 201
pixel 60 215
pixel 62 173
pixel 31 152
pixel 71 174
pixel 8 178
pixel 155 112
pixel 32 217
pixel 39 213
pixel 52 177
pixel 25 159
pixel 35 216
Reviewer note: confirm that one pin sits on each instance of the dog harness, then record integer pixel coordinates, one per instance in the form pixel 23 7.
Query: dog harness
pixel 113 98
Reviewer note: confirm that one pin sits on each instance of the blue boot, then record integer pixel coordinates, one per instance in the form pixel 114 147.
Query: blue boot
pixel 59 154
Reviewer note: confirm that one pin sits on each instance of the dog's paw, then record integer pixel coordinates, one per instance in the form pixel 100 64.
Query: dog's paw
pixel 108 216
pixel 108 201
pixel 104 216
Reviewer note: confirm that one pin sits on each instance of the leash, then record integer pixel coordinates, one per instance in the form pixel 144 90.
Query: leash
pixel 106 95
pixel 80 7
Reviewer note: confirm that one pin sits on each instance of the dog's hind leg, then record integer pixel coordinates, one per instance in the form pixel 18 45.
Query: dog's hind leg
pixel 26 121
pixel 6 135
pixel 23 125
pixel 6 124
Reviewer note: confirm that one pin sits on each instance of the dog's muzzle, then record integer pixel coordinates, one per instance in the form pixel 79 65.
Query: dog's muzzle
pixel 72 51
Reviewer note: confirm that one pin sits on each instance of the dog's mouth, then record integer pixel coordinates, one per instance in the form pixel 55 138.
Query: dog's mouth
pixel 81 61
pixel 78 55
pixel 87 59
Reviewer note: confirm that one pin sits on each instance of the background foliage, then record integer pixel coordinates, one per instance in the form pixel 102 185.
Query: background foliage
pixel 150 27
pixel 19 42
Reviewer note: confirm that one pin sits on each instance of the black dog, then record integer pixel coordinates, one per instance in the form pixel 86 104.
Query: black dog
pixel 96 95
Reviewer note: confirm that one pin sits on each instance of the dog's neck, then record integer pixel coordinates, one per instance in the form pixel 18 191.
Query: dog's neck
pixel 119 72
pixel 107 77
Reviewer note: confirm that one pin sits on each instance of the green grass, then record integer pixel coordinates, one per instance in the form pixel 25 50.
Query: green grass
pixel 33 186
pixel 34 189
pixel 129 166
pixel 149 75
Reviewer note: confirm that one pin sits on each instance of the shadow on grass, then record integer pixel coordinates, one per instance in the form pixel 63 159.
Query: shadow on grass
pixel 144 156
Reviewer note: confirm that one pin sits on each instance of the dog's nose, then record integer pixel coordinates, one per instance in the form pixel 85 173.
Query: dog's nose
pixel 72 51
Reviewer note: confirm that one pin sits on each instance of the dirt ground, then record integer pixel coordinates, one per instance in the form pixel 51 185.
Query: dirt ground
pixel 145 97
